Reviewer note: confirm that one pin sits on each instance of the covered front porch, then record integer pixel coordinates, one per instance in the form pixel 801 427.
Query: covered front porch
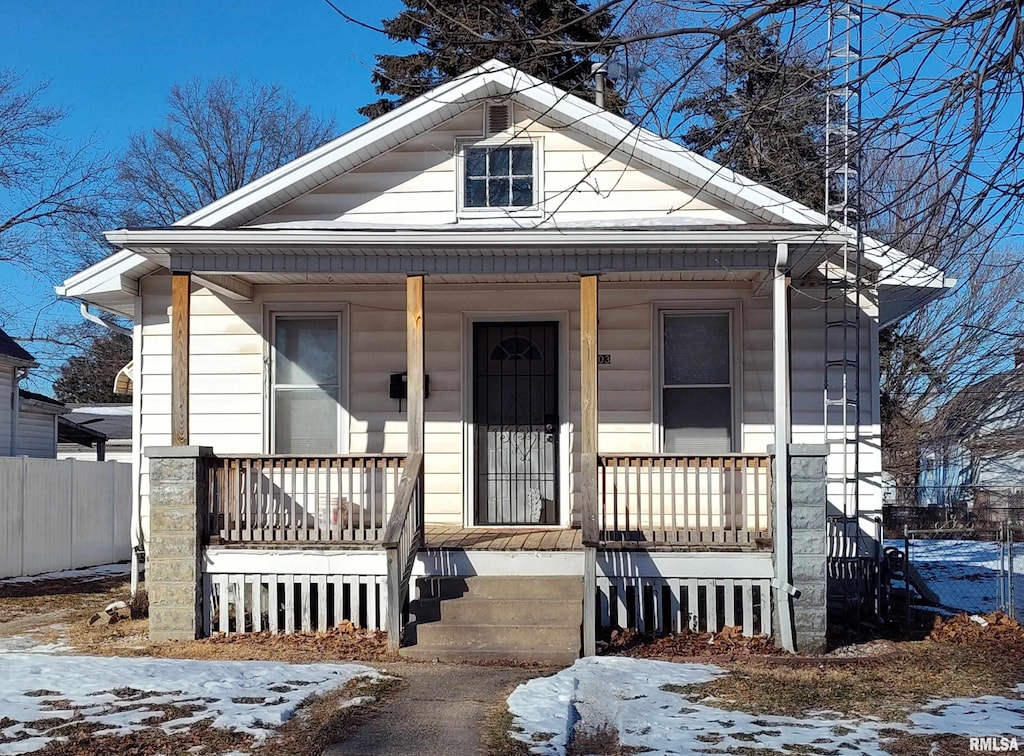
pixel 606 482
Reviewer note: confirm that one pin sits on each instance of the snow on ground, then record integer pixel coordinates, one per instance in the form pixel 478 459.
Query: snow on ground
pixel 628 695
pixel 85 573
pixel 27 644
pixel 965 575
pixel 249 697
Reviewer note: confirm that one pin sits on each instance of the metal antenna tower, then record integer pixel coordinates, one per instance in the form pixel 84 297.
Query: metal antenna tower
pixel 843 337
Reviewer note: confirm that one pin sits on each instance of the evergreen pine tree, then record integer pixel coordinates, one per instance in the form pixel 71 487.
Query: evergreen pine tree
pixel 89 376
pixel 456 35
pixel 765 120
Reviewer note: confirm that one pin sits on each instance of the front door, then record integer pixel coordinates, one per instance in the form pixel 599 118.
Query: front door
pixel 515 417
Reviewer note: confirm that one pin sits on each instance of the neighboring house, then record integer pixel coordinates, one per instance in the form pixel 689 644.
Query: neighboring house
pixel 96 431
pixel 507 344
pixel 28 421
pixel 976 455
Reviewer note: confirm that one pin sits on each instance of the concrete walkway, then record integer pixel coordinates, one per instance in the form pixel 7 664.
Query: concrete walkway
pixel 438 710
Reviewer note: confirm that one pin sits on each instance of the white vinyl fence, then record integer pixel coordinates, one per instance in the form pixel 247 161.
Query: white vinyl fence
pixel 63 514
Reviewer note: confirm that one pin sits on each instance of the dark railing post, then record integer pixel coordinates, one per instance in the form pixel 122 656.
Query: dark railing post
pixel 401 542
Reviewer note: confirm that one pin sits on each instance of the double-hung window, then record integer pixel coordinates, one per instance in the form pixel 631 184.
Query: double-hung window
pixel 501 176
pixel 306 384
pixel 696 382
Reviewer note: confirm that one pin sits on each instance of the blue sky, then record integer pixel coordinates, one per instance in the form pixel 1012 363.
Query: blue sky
pixel 111 64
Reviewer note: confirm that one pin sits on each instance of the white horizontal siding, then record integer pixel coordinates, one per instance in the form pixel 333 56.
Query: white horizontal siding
pixel 808 398
pixel 227 403
pixel 6 389
pixel 417 181
pixel 37 434
pixel 227 370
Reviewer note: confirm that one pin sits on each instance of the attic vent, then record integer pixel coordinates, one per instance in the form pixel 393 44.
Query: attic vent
pixel 499 117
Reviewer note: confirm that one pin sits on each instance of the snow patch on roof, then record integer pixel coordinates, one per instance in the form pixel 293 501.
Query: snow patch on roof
pixel 106 410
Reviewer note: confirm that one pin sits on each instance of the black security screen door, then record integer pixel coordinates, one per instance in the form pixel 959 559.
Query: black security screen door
pixel 515 414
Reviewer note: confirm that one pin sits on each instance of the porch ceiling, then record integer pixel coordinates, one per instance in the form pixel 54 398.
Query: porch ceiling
pixel 325 279
pixel 476 252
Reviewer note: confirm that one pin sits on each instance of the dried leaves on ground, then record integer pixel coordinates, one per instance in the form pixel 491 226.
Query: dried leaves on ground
pixel 729 643
pixel 64 595
pixel 887 687
pixel 968 628
pixel 343 643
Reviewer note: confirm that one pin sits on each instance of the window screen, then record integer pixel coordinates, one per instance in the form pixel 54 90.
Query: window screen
pixel 306 385
pixel 500 176
pixel 696 404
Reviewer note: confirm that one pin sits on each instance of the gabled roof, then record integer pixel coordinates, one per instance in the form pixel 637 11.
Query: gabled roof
pixel 12 352
pixel 908 282
pixel 33 402
pixel 495 79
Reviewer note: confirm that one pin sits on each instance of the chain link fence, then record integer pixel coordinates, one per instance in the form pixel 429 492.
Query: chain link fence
pixel 975 569
pixel 951 508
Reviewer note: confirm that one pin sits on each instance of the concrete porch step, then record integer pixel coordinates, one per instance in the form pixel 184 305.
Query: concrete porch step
pixel 566 588
pixel 442 635
pixel 533 619
pixel 472 609
pixel 546 657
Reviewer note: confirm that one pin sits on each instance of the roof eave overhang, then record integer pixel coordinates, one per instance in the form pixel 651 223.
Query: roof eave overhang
pixel 6 359
pixel 478 251
pixel 112 284
pixel 153 241
pixel 46 408
pixel 897 301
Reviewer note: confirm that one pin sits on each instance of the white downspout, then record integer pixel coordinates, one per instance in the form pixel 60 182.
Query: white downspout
pixel 137 534
pixel 780 352
pixel 84 309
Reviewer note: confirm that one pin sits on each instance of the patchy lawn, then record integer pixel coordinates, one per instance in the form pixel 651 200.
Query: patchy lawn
pixel 922 697
pixel 51 614
pixel 629 705
pixel 885 687
pixel 81 704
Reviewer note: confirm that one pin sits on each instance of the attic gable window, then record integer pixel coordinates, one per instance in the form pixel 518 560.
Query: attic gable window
pixel 499 176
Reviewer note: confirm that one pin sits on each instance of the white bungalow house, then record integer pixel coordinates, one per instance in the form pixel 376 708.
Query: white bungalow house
pixel 497 334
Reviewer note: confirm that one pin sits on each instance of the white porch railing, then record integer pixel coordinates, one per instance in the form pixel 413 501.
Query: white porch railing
pixel 278 499
pixel 723 499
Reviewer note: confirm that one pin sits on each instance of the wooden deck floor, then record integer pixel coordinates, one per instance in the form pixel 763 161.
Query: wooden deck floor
pixel 571 539
pixel 503 539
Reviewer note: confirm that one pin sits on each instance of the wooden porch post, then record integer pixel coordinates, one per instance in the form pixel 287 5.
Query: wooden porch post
pixel 588 459
pixel 414 357
pixel 180 310
pixel 397 553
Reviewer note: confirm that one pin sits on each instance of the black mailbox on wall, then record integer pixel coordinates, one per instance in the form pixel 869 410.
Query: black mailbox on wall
pixel 399 388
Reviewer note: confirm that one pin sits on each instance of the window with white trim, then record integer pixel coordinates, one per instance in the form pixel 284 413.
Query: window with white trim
pixel 500 176
pixel 696 382
pixel 305 392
